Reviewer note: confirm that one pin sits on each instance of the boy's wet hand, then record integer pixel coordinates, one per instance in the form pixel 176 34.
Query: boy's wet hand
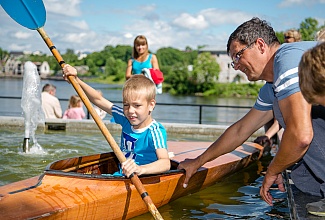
pixel 129 167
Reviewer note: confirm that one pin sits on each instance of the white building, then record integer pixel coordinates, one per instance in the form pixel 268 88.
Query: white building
pixel 15 67
pixel 227 73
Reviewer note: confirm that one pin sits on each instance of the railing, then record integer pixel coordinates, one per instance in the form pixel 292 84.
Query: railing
pixel 237 112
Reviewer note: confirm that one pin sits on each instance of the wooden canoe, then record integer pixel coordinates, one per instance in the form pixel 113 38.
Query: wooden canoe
pixel 77 188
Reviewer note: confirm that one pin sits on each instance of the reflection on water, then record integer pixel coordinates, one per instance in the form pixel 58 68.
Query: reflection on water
pixel 235 197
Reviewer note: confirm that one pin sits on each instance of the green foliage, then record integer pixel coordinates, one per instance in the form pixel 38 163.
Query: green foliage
pixel 205 68
pixel 308 29
pixel 170 56
pixel 234 90
pixel 280 36
pixel 178 81
pixel 3 54
pixel 115 67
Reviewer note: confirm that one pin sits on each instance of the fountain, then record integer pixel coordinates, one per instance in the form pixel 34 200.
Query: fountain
pixel 31 104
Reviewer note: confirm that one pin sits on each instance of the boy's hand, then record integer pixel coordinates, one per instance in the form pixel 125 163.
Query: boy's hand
pixel 129 167
pixel 69 71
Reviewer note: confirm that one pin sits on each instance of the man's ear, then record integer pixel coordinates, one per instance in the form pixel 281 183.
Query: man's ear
pixel 261 45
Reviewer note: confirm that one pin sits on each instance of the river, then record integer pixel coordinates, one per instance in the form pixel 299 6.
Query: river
pixel 163 113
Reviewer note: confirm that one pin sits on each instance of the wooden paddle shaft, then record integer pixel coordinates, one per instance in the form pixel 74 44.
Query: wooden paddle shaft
pixel 135 179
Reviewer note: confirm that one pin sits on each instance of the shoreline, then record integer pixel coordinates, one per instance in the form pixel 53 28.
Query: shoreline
pixel 88 125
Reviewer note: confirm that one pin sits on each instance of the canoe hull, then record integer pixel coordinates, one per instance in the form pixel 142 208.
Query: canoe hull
pixel 83 196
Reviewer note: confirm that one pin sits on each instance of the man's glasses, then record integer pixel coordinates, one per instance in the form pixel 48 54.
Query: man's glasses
pixel 238 55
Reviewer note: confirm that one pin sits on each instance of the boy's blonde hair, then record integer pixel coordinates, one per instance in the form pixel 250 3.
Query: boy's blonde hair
pixel 312 73
pixel 74 101
pixel 139 85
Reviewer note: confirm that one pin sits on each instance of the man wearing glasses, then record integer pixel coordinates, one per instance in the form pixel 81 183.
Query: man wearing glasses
pixel 256 51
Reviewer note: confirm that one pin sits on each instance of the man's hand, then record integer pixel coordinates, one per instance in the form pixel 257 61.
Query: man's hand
pixel 268 181
pixel 190 166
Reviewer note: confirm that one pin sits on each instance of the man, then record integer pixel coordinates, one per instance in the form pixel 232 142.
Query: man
pixel 256 51
pixel 50 104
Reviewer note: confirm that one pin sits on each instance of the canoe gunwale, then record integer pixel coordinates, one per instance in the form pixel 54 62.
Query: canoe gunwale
pixel 98 159
pixel 106 177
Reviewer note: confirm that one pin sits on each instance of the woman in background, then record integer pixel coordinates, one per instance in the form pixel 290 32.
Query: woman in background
pixel 141 58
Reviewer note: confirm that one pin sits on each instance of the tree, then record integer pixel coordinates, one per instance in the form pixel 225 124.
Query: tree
pixel 280 36
pixel 115 67
pixel 3 55
pixel 205 72
pixel 308 29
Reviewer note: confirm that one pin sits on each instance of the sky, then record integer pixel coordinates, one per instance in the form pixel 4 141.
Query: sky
pixel 90 25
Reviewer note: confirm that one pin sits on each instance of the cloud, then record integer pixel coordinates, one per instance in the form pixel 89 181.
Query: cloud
pixel 22 35
pixel 188 21
pixel 289 3
pixel 19 47
pixel 82 25
pixel 223 17
pixel 70 8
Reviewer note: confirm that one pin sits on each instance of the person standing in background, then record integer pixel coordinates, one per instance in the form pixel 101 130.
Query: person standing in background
pixel 320 35
pixel 141 58
pixel 50 103
pixel 75 110
pixel 291 36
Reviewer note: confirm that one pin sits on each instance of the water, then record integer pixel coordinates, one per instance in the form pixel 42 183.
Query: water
pixel 235 197
pixel 173 114
pixel 31 105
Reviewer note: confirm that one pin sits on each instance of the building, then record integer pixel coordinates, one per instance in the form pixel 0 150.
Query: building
pixel 227 73
pixel 15 67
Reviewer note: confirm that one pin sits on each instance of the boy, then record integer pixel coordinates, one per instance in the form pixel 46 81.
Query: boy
pixel 312 85
pixel 143 140
pixel 312 75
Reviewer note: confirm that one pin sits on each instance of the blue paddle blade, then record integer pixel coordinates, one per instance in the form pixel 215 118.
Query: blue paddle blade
pixel 28 13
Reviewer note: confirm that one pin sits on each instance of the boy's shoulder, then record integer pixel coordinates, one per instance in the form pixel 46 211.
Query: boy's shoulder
pixel 156 125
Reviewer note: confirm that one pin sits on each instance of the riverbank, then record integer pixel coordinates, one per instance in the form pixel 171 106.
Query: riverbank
pixel 88 125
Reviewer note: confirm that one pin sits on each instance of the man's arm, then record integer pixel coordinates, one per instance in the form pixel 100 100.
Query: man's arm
pixel 295 141
pixel 234 136
pixel 297 135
